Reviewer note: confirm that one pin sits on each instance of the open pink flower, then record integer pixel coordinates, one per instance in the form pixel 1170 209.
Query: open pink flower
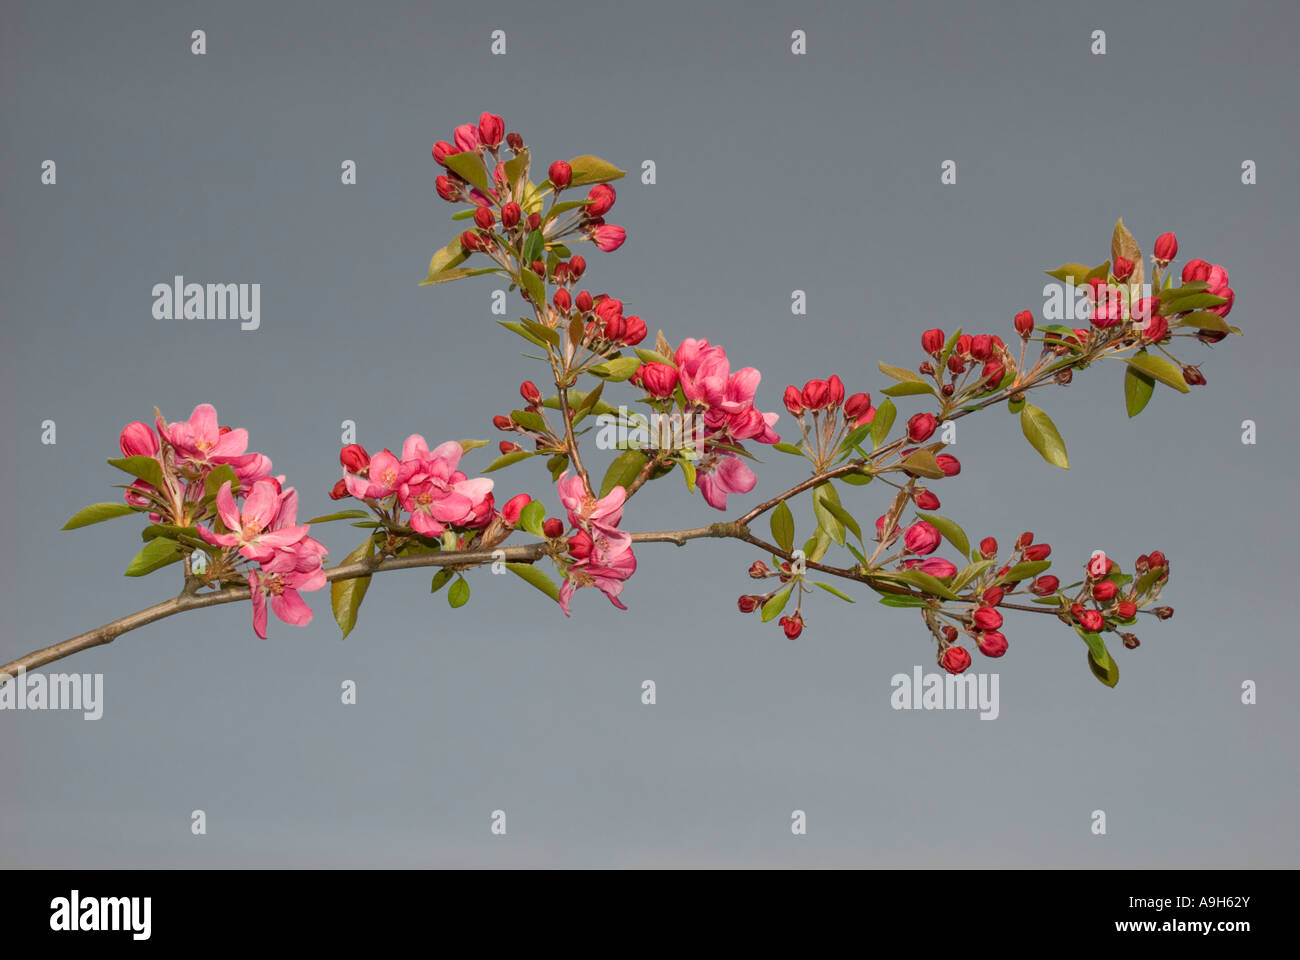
pixel 251 527
pixel 282 586
pixel 382 479
pixel 728 475
pixel 434 492
pixel 598 517
pixel 606 576
pixel 200 439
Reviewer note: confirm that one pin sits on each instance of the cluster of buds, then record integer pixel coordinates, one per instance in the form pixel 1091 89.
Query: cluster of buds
pixel 791 624
pixel 975 364
pixel 833 416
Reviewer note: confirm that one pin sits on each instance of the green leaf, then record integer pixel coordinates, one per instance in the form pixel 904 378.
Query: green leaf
pixel 588 169
pixel 155 555
pixel 815 547
pixel 901 600
pixel 528 420
pixel 625 469
pixel 968 573
pixel 532 517
pixel 948 346
pixel 855 437
pixel 844 517
pixel 1107 674
pixel 857 478
pixel 784 447
pixel 221 474
pixel 1204 320
pixel 144 468
pixel 523 331
pixel 898 373
pixel 772 609
pixel 508 458
pixel 951 531
pixel 97 513
pixel 578 399
pixel 651 356
pixel 346 595
pixel 688 473
pixel 532 246
pixel 452 255
pixel 923 464
pixel 1014 405
pixel 823 495
pixel 617 370
pixel 882 421
pixel 533 284
pixel 341 515
pixel 830 589
pixel 1138 388
pixel 1158 368
pixel 557 465
pixel 172 532
pixel 469 165
pixel 783 526
pixel 458 594
pixel 457 274
pixel 917 578
pixel 1043 436
pixel 1023 571
pixel 541 331
pixel 440 580
pixel 535 576
pixel 1169 304
pixel 1066 271
pixel 908 390
pixel 565 207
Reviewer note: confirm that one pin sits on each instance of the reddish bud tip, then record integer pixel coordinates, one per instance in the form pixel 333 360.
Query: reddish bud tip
pixel 988 548
pixel 560 173
pixel 1024 323
pixel 553 527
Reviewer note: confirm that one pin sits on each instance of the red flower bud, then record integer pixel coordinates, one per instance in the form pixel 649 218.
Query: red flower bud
pixel 922 538
pixel 1155 329
pixel 528 390
pixel 758 570
pixel 583 300
pixel 993 372
pixel 1091 620
pixel 836 386
pixel 921 426
pixel 747 603
pixel 932 342
pixel 577 266
pixel 340 490
pixel 510 215
pixel 993 596
pixel 1193 376
pixel 1126 609
pixel 354 458
pixel 534 221
pixel 1163 613
pixel 1156 559
pixel 816 394
pixel 502 423
pixel 1196 271
pixel 926 368
pixel 1166 248
pixel 1104 590
pixel 992 644
pixel 442 149
pixel 963 344
pixel 563 302
pixel 658 379
pixel 1099 565
pixel 553 527
pixel 988 548
pixel 924 499
pixel 137 440
pixel 491 129
pixel 515 506
pixel 509 446
pixel 986 618
pixel 634 330
pixel 950 633
pixel 949 464
pixel 447 189
pixel 1044 585
pixel 471 241
pixel 560 173
pixel 1123 268
pixel 1131 641
pixel 981 347
pixel 793 400
pixel 1024 540
pixel 857 409
pixel 484 218
pixel 793 626
pixel 580 545
pixel 1038 551
pixel 515 141
pixel 956 364
pixel 602 198
pixel 954 659
pixel 1024 323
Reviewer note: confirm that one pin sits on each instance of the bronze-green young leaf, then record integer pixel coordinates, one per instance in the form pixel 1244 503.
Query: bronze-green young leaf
pixel 346 595
pixel 1043 436
pixel 97 513
pixel 1158 368
pixel 1138 388
pixel 783 526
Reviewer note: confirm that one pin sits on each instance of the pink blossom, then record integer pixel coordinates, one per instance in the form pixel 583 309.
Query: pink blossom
pixel 282 586
pixel 729 475
pixel 467 137
pixel 433 491
pixel 251 527
pixel 607 576
pixel 382 478
pixel 201 440
pixel 599 517
pixel 608 237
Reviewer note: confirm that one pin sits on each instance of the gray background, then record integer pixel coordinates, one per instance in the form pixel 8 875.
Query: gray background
pixel 775 172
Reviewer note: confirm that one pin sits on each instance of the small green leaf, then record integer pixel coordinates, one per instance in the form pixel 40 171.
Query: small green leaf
pixel 564 207
pixel 902 600
pixel 535 576
pixel 1043 436
pixel 346 595
pixel 1138 388
pixel 1107 674
pixel 452 255
pixel 931 585
pixel 882 422
pixel 578 401
pixel 908 389
pixel 458 593
pixel 534 286
pixel 623 471
pixel 783 526
pixel 1066 271
pixel 97 513
pixel 844 517
pixel 898 373
pixel 155 555
pixel 688 473
pixel 557 465
pixel 532 517
pixel 1023 571
pixel 617 370
pixel 221 474
pixel 523 331
pixel 856 478
pixel 784 447
pixel 341 515
pixel 532 246
pixel 1170 304
pixel 144 468
pixel 823 495
pixel 508 458
pixel 469 166
pixel 517 167
pixel 968 573
pixel 922 463
pixel 528 420
pixel 830 589
pixel 440 580
pixel 951 531
pixel 172 532
pixel 458 273
pixel 588 169
pixel 1014 405
pixel 1204 320
pixel 772 609
pixel 1167 372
